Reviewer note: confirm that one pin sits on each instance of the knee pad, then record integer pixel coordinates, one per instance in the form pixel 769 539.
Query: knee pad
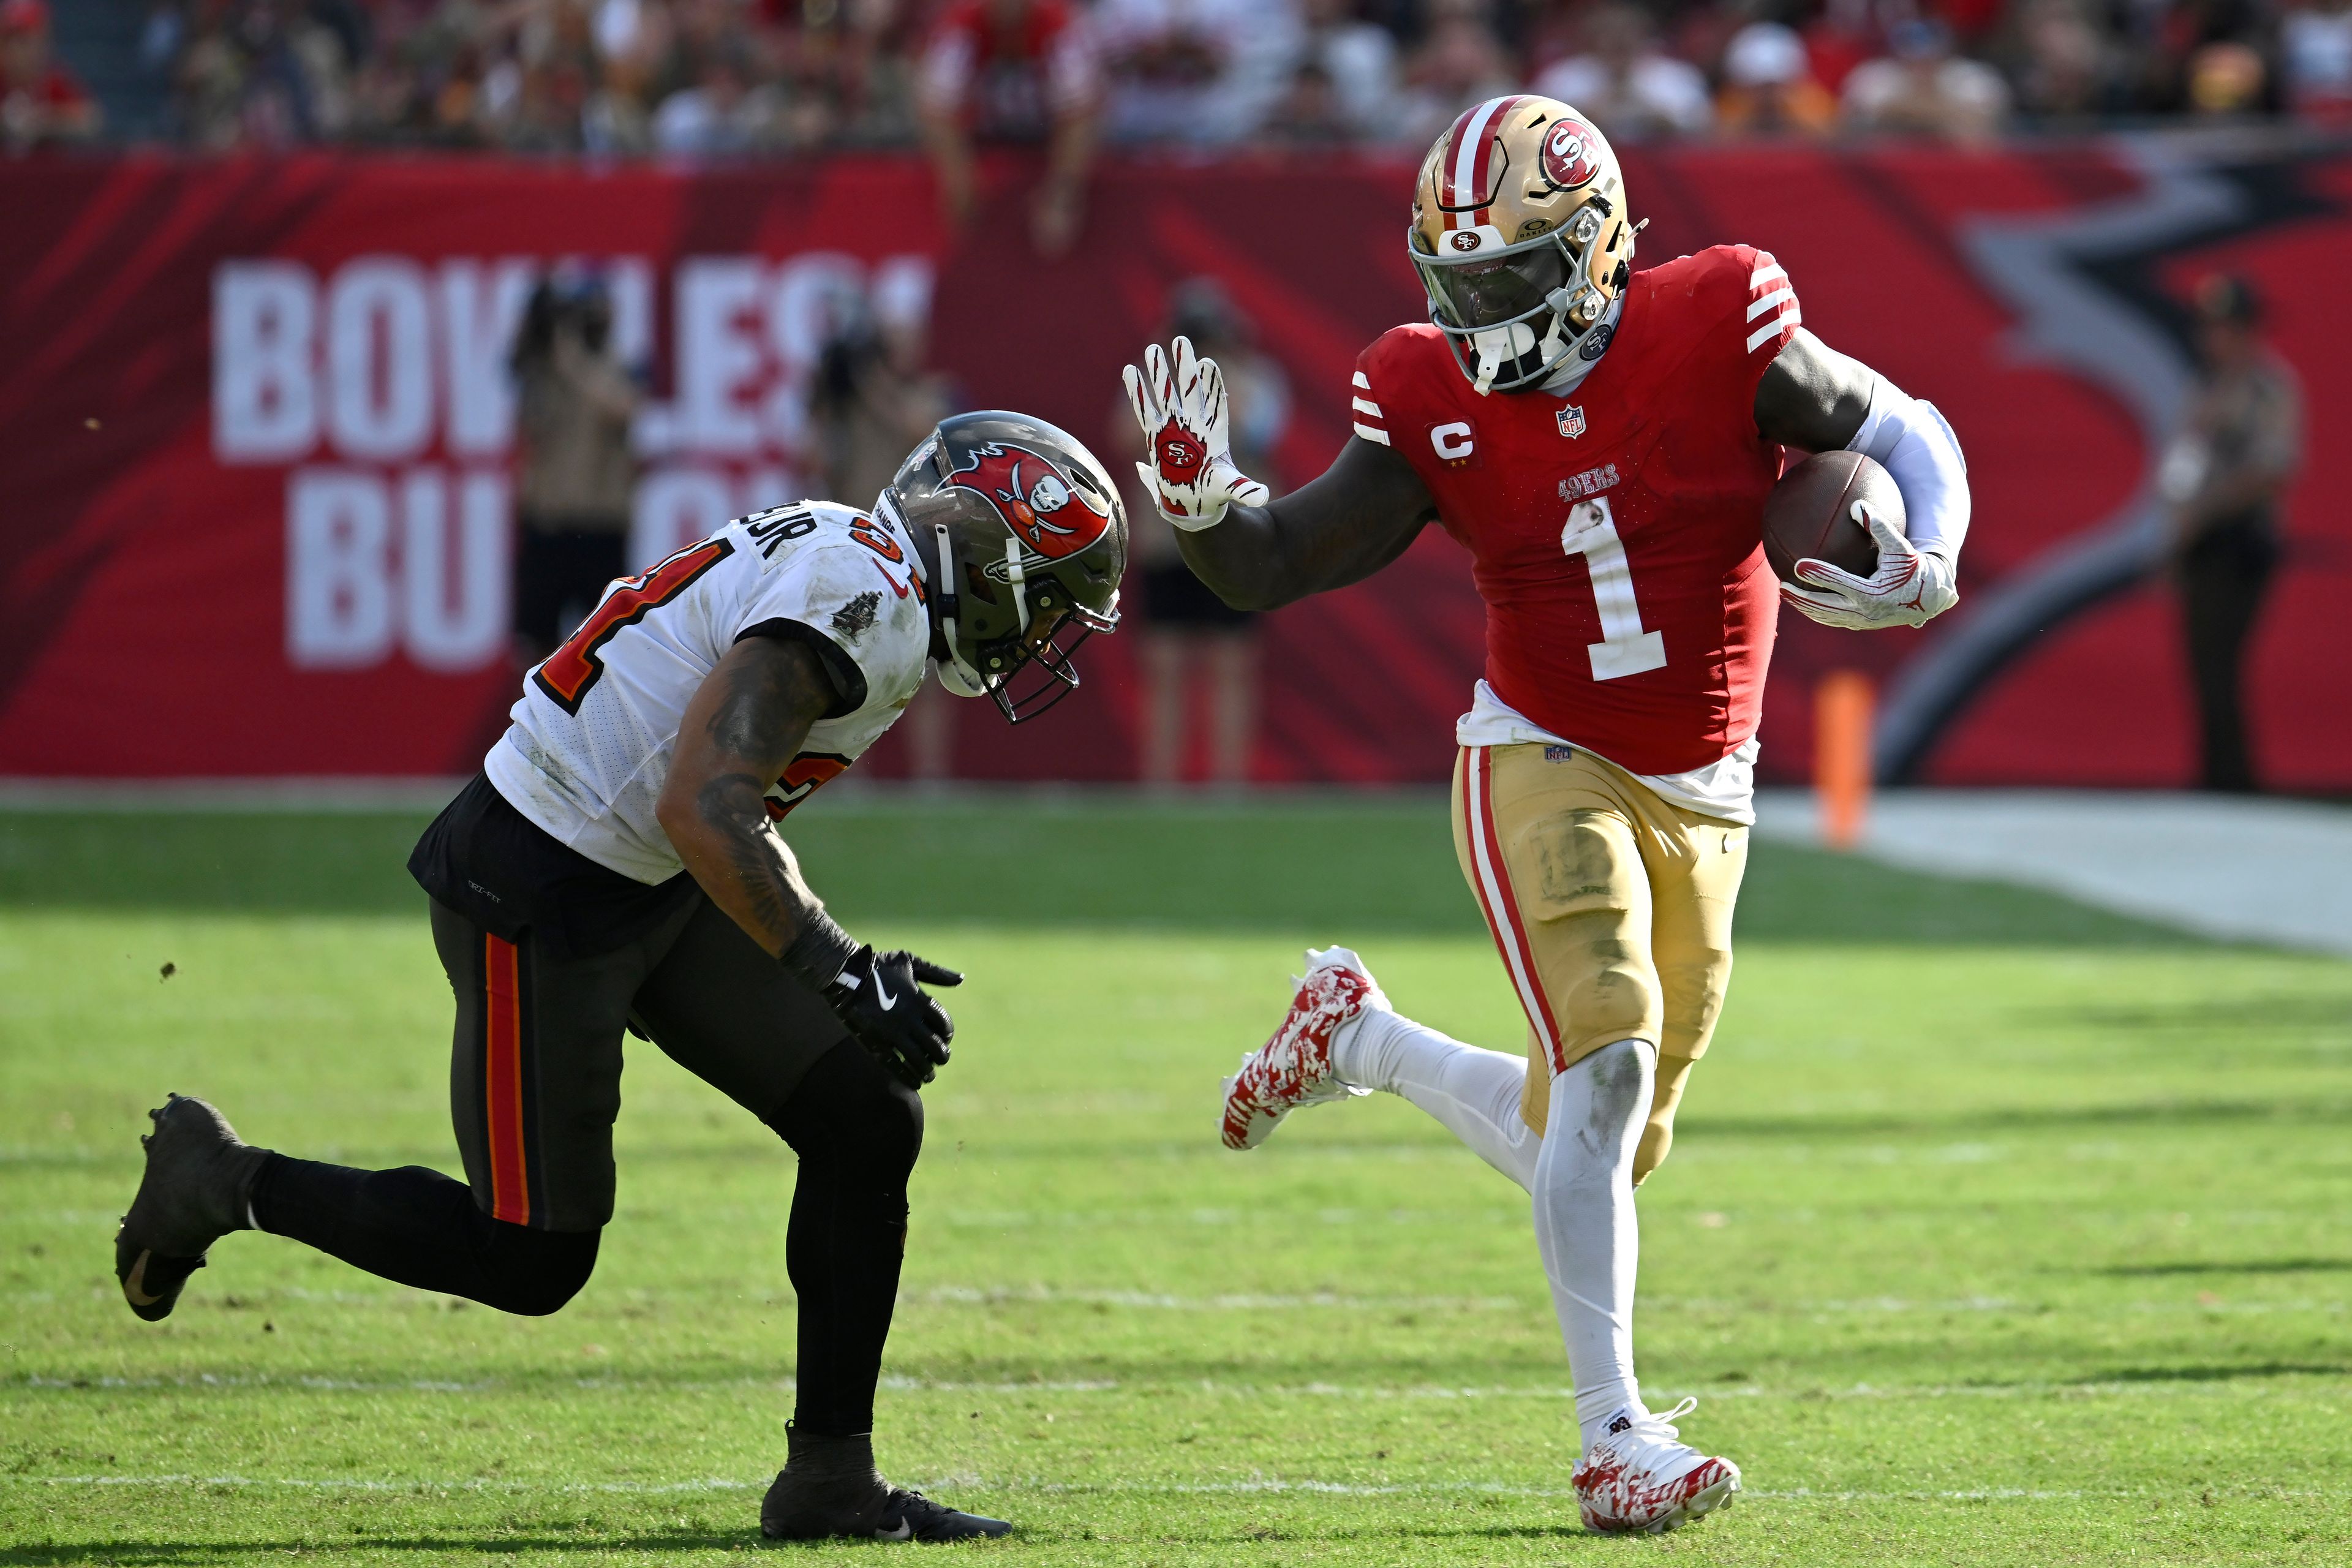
pixel 1601 986
pixel 849 1115
pixel 881 1133
pixel 532 1273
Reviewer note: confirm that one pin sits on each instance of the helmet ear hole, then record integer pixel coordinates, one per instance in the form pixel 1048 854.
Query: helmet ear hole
pixel 1085 482
pixel 977 582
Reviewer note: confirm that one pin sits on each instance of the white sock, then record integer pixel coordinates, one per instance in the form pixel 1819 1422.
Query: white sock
pixel 1475 1092
pixel 1583 1191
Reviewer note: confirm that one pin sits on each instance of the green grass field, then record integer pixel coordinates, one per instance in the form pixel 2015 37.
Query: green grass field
pixel 1998 1230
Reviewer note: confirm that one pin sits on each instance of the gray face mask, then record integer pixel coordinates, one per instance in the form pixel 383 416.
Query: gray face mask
pixel 1514 317
pixel 1569 373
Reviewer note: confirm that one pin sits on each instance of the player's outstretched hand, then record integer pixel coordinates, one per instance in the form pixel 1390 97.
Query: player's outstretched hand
pixel 1910 588
pixel 1181 407
pixel 879 1001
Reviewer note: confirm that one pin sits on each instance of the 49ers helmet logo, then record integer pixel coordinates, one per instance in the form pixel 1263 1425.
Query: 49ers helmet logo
pixel 1567 155
pixel 1034 497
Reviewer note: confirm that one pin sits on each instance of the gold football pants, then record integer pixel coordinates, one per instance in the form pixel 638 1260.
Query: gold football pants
pixel 1611 910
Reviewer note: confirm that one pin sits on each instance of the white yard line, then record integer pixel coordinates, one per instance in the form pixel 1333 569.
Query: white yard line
pixel 1209 1388
pixel 184 796
pixel 1003 1295
pixel 2239 869
pixel 1255 1487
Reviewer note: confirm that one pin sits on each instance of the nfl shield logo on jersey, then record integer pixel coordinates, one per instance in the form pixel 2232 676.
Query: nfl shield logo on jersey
pixel 1571 421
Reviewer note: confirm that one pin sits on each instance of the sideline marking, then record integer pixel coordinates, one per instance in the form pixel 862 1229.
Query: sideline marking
pixel 2154 1388
pixel 1261 1487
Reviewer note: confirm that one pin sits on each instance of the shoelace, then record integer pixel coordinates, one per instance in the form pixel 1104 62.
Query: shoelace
pixel 1286 1063
pixel 1652 1442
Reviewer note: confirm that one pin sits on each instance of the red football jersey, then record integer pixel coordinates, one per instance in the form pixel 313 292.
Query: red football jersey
pixel 1616 534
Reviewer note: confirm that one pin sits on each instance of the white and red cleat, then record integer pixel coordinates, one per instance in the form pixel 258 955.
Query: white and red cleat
pixel 1639 1478
pixel 1294 1068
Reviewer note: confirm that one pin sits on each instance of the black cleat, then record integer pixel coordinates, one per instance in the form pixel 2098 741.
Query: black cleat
pixel 911 1516
pixel 829 1490
pixel 198 1182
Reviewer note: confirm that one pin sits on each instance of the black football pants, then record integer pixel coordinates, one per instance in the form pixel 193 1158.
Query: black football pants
pixel 535 1087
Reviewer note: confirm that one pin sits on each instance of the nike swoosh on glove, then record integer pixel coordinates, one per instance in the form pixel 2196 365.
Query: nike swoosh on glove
pixel 1182 410
pixel 1910 588
pixel 878 1000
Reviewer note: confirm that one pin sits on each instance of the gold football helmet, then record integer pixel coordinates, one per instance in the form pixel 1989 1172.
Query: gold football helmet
pixel 1521 236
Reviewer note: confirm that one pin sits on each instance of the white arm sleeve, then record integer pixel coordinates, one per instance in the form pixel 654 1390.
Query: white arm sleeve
pixel 1909 437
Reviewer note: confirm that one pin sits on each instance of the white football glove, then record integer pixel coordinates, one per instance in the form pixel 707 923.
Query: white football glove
pixel 1189 471
pixel 1910 588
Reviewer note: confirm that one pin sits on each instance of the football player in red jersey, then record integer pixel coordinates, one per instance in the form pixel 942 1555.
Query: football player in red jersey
pixel 1601 440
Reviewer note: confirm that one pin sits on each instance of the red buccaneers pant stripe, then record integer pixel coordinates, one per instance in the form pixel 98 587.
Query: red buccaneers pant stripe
pixel 1493 880
pixel 502 1087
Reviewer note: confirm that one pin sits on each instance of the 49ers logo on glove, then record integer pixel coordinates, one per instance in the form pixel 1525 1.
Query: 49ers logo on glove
pixel 1035 498
pixel 1568 159
pixel 1179 407
pixel 1178 457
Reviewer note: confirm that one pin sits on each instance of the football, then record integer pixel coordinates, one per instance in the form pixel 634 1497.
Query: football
pixel 1810 513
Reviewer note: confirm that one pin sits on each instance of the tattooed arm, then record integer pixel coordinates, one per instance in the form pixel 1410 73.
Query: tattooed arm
pixel 743 727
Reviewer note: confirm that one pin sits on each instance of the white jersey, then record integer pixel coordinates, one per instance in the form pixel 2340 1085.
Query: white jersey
pixel 590 747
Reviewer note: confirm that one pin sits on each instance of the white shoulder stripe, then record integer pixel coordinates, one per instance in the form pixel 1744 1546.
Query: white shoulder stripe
pixel 1771 273
pixel 1787 317
pixel 1370 434
pixel 1769 301
pixel 1365 406
pixel 1363 382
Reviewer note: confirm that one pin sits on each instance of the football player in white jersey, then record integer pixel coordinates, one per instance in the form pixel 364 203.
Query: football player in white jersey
pixel 616 866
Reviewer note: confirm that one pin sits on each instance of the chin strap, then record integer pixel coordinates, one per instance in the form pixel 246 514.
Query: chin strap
pixel 1499 347
pixel 968 681
pixel 1014 575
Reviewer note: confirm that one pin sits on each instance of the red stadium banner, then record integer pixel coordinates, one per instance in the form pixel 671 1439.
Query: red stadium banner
pixel 256 432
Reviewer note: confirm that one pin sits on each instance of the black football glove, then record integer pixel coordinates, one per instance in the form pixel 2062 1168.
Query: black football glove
pixel 878 1000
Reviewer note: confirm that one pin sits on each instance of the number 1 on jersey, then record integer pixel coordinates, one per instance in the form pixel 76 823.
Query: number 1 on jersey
pixel 1624 649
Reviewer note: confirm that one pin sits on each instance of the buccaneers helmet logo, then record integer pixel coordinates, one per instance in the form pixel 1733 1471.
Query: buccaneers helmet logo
pixel 1035 498
pixel 1568 156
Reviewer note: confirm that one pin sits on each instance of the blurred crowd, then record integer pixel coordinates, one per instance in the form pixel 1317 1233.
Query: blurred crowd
pixel 723 76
